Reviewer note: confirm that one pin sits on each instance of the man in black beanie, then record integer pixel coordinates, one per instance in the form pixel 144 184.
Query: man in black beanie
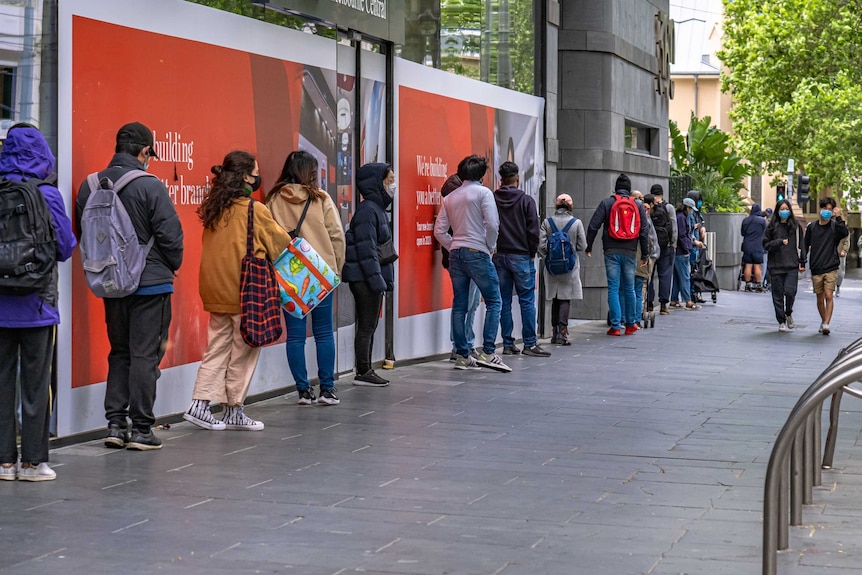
pixel 623 230
pixel 664 265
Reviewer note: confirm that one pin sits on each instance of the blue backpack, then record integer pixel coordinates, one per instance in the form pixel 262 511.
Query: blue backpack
pixel 560 255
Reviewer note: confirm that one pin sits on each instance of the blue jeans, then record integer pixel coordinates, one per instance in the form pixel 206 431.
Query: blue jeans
pixel 681 279
pixel 465 265
pixel 517 274
pixel 639 296
pixel 324 341
pixel 620 270
pixel 472 305
pixel 694 259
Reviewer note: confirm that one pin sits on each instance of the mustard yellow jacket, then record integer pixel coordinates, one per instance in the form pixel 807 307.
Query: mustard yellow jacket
pixel 225 246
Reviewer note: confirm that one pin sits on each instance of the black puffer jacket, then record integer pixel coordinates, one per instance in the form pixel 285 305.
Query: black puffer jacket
pixel 369 229
pixel 152 213
pixel 784 257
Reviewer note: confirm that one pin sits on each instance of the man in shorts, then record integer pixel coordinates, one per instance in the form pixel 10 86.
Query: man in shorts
pixel 821 242
pixel 753 228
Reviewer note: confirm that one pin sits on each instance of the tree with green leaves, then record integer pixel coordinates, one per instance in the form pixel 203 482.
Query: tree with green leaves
pixel 705 154
pixel 794 68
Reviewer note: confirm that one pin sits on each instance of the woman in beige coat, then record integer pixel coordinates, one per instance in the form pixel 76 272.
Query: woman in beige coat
pixel 296 187
pixel 228 363
pixel 562 288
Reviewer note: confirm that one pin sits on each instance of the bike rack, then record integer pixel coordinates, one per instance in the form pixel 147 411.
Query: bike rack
pixel 793 467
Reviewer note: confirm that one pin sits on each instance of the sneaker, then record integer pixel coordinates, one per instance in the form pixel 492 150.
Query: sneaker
pixel 513 350
pixel 474 353
pixel 663 310
pixel 675 304
pixel 453 357
pixel 141 441
pixel 235 418
pixel 33 472
pixel 691 306
pixel 782 327
pixel 820 330
pixel 837 292
pixel 306 397
pixel 199 413
pixel 370 379
pixel 825 329
pixel 117 437
pixel 466 362
pixel 790 324
pixel 492 361
pixel 631 329
pixel 8 472
pixel 535 351
pixel 614 331
pixel 328 397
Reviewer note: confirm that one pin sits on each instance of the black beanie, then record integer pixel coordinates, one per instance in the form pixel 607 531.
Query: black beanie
pixel 623 183
pixel 656 190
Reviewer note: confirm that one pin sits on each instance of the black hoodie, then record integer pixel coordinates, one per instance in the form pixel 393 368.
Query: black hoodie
pixel 368 229
pixel 519 222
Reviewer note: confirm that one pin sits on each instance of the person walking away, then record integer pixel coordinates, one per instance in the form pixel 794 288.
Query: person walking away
pixel 783 242
pixel 369 279
pixel 514 259
pixel 643 274
pixel 752 230
pixel 561 288
pixel 624 229
pixel 821 244
pixel 843 248
pixel 472 214
pixel 138 323
pixel 664 221
pixel 297 187
pixel 228 363
pixel 28 321
pixel 474 297
pixel 764 282
pixel 682 264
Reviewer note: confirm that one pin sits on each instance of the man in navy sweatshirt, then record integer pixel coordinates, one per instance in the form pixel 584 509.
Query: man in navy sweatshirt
pixel 517 245
pixel 620 256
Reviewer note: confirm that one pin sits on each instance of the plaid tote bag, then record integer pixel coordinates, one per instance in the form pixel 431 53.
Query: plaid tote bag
pixel 260 322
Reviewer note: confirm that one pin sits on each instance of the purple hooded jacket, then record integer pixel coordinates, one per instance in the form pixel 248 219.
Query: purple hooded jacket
pixel 26 154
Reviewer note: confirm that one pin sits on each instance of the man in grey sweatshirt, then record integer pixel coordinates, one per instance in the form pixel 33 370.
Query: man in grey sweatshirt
pixel 471 212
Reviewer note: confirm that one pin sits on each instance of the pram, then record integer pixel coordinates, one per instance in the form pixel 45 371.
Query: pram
pixel 703 277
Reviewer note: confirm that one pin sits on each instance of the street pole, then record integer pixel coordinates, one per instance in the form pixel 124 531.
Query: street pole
pixel 791 170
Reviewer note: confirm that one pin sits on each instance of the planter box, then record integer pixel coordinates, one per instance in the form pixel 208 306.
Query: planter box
pixel 728 246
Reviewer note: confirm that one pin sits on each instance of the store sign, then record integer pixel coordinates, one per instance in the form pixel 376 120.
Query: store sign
pixel 665 52
pixel 382 19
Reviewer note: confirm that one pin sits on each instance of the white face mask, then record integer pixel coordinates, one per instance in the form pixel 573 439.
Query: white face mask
pixel 391 189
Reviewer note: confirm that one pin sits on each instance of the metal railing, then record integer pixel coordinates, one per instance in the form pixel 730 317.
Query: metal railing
pixel 794 465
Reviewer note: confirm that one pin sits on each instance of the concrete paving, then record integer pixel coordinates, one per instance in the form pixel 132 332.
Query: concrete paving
pixel 617 455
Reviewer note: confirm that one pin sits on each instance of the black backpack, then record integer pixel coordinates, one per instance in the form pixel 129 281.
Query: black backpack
pixel 28 241
pixel 662 224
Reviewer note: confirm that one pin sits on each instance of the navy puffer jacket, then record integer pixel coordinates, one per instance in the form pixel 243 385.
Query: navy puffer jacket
pixel 369 228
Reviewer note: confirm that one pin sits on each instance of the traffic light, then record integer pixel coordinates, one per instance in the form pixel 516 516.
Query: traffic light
pixel 780 192
pixel 803 188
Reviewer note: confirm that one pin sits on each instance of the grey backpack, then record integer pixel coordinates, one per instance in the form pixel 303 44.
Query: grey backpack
pixel 112 256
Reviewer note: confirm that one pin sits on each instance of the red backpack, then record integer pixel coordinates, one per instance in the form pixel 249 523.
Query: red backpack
pixel 625 220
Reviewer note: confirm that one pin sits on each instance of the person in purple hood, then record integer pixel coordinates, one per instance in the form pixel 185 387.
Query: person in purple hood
pixel 28 322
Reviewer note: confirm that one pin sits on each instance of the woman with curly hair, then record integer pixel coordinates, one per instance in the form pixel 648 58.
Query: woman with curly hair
pixel 297 189
pixel 228 362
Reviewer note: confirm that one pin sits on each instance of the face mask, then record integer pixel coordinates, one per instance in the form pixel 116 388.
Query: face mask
pixel 251 188
pixel 390 189
pixel 784 214
pixel 825 214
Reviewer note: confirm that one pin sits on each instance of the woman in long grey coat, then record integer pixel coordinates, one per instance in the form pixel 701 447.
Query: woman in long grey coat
pixel 562 288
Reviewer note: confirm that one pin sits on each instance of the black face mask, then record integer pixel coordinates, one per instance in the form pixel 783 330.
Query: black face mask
pixel 254 186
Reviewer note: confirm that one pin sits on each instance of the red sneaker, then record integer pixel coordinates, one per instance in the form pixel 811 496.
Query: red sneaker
pixel 614 331
pixel 630 329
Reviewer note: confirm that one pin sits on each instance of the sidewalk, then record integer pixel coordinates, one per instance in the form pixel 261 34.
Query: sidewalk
pixel 617 455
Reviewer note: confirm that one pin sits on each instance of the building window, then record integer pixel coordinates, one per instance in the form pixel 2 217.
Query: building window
pixel 7 92
pixel 641 138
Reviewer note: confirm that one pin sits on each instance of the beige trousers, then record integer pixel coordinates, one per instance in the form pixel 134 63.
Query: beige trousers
pixel 228 363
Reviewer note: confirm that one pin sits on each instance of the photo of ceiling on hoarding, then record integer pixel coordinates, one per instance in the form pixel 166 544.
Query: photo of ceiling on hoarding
pixel 516 140
pixel 373 121
pixel 317 124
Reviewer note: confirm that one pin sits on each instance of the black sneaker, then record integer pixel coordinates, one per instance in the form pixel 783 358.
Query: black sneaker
pixel 511 350
pixel 370 379
pixel 328 397
pixel 536 351
pixel 306 397
pixel 141 441
pixel 117 437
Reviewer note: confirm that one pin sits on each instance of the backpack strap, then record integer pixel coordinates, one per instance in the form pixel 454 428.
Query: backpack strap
pixel 249 235
pixel 553 225
pixel 94 184
pixel 295 233
pixel 569 225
